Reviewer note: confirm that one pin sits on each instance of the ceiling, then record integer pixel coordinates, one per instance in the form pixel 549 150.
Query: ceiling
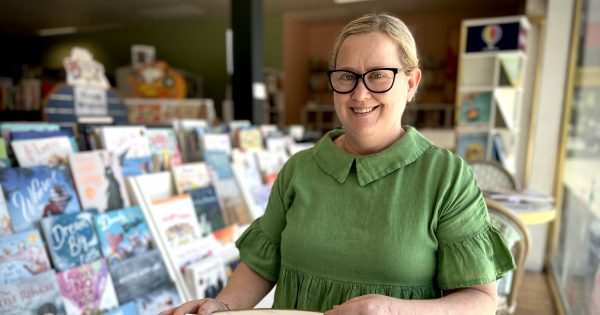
pixel 28 17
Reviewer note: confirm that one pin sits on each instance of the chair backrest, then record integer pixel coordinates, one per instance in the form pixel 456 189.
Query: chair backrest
pixel 491 175
pixel 517 237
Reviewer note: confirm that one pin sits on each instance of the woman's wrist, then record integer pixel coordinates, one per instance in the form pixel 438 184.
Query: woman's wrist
pixel 225 304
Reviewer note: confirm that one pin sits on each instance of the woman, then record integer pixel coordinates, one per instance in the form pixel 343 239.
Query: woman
pixel 373 219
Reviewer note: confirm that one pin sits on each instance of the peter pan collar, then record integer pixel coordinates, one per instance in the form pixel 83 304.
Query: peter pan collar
pixel 337 162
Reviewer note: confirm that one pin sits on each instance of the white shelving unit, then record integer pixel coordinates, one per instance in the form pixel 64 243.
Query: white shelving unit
pixel 489 100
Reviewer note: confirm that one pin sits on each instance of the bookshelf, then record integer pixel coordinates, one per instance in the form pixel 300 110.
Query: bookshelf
pixel 490 89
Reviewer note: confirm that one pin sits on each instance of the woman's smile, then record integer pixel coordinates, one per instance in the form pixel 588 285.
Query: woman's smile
pixel 364 110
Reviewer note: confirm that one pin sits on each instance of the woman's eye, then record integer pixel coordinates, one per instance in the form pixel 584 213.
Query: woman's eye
pixel 347 77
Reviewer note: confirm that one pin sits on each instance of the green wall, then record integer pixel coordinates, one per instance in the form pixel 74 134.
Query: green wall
pixel 194 46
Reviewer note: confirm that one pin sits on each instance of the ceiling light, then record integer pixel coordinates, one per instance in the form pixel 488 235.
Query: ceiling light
pixel 348 1
pixel 57 31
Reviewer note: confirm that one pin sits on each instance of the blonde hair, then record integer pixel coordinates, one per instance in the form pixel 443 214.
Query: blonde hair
pixel 388 24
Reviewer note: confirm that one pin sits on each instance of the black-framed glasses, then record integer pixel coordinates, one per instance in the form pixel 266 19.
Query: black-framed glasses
pixel 378 80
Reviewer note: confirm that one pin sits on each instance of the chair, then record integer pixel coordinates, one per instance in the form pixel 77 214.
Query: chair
pixel 517 237
pixel 491 175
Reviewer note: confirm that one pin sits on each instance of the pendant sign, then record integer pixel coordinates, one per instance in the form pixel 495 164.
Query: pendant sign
pixel 90 101
pixel 496 37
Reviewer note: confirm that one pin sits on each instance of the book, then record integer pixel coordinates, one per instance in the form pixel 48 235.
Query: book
pixel 99 180
pixel 137 276
pixel 22 255
pixel 522 200
pixel 206 277
pixel 208 210
pixel 233 205
pixel 279 143
pixel 130 144
pixel 247 174
pixel 473 146
pixel 5 222
pixel 44 151
pixel 125 309
pixel 475 109
pixel 4 159
pixel 196 250
pixel 220 142
pixel 158 300
pixel 164 148
pixel 37 192
pixel 122 233
pixel 71 239
pixel 190 176
pixel 249 139
pixel 39 294
pixel 176 219
pixel 87 289
pixel 270 163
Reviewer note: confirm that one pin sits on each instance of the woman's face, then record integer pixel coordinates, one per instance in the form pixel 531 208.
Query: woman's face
pixel 367 116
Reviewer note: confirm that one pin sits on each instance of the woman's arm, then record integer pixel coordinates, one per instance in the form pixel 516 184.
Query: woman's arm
pixel 479 300
pixel 244 289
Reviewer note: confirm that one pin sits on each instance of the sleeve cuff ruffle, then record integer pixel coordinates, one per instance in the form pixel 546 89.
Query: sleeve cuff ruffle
pixel 259 251
pixel 473 260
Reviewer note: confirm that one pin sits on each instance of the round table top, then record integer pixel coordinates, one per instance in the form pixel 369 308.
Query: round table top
pixel 268 311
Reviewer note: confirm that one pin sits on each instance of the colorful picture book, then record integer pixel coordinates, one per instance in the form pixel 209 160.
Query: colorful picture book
pixel 125 309
pixel 130 144
pixel 216 142
pixel 45 151
pixel 206 277
pixel 22 255
pixel 5 222
pixel 190 176
pixel 475 109
pixel 249 139
pixel 71 239
pixel 159 300
pixel 473 146
pixel 99 180
pixel 87 289
pixel 232 202
pixel 39 294
pixel 176 219
pixel 208 210
pixel 37 192
pixel 164 148
pixel 139 276
pixel 122 233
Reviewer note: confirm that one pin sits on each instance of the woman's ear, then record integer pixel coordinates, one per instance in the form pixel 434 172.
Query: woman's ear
pixel 414 78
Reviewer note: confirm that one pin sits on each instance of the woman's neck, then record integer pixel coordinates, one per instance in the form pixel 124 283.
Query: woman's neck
pixel 356 146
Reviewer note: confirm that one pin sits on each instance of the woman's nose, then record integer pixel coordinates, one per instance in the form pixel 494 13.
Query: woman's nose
pixel 361 92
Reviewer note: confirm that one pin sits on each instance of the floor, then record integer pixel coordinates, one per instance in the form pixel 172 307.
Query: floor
pixel 534 296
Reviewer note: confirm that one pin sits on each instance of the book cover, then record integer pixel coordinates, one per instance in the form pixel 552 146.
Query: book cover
pixel 208 210
pixel 247 173
pixel 122 233
pixel 99 180
pixel 22 255
pixel 137 276
pixel 269 164
pixel 5 222
pixel 130 144
pixel 473 146
pixel 45 151
pixel 233 205
pixel 220 142
pixel 164 148
pixel 190 176
pixel 125 309
pixel 37 192
pixel 207 277
pixel 158 300
pixel 279 143
pixel 187 254
pixel 475 109
pixel 176 219
pixel 4 160
pixel 250 139
pixel 39 294
pixel 87 289
pixel 71 239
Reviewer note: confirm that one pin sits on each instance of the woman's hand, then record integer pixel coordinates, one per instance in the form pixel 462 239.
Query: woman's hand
pixel 366 305
pixel 200 307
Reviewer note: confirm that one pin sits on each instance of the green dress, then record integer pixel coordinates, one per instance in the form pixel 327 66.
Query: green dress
pixel 407 222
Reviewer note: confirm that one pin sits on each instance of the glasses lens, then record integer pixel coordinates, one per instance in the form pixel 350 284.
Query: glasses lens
pixel 379 80
pixel 342 81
